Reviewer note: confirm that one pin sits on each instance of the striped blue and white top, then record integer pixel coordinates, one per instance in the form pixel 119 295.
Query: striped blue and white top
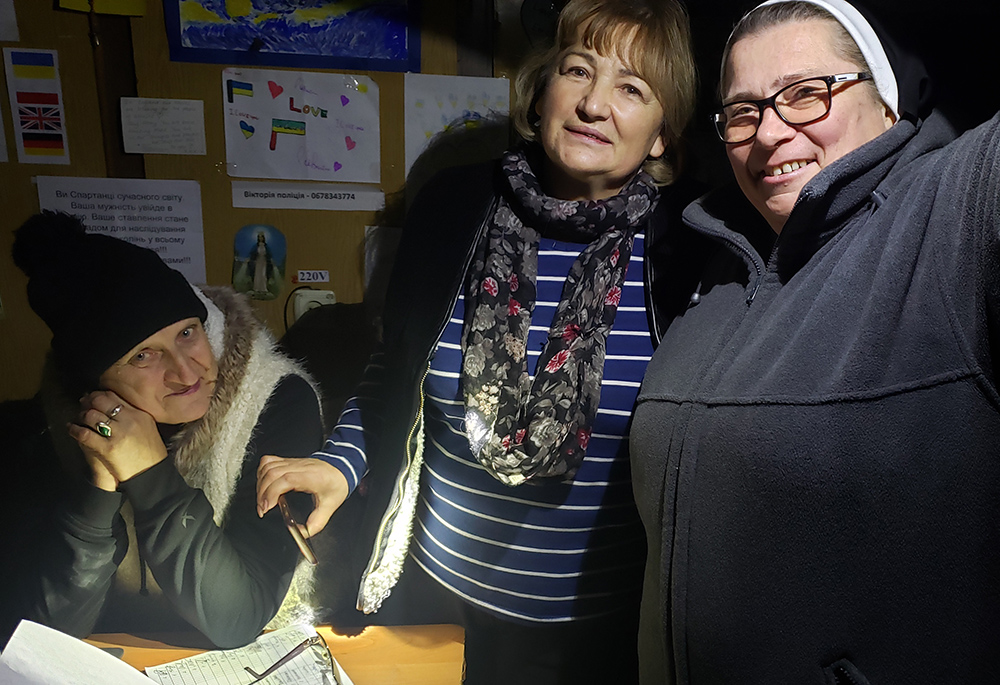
pixel 547 550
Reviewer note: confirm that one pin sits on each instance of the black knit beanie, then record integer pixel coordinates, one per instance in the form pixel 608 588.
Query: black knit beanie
pixel 100 296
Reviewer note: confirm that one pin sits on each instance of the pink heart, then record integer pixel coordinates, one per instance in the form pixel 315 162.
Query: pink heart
pixel 276 90
pixel 344 100
pixel 337 166
pixel 350 143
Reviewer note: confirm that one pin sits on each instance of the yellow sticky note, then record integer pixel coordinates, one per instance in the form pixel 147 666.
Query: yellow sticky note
pixel 130 8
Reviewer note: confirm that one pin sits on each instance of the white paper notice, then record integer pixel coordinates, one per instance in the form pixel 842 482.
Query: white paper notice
pixel 42 656
pixel 164 127
pixel 276 195
pixel 164 216
pixel 8 22
pixel 435 103
pixel 301 125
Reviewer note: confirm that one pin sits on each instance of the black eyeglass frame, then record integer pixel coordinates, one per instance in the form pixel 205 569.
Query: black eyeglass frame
pixel 718 117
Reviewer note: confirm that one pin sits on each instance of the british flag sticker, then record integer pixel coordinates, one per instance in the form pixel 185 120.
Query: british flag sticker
pixel 37 105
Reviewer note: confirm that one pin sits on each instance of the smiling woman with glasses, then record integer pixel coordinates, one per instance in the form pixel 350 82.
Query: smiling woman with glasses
pixel 814 446
pixel 801 102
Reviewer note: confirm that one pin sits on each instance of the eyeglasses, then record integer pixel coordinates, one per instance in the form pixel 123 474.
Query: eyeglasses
pixel 293 528
pixel 321 653
pixel 802 102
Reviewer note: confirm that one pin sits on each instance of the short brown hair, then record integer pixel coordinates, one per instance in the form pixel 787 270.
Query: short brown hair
pixel 653 37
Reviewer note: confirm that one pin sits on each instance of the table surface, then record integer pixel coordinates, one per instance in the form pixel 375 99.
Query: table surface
pixel 378 655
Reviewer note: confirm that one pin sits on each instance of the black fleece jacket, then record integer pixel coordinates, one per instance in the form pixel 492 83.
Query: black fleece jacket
pixel 816 450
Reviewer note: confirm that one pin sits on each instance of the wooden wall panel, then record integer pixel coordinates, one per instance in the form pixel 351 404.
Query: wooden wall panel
pixel 332 241
pixel 24 339
pixel 316 240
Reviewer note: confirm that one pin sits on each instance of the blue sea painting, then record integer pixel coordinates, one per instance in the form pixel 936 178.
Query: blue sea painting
pixel 361 34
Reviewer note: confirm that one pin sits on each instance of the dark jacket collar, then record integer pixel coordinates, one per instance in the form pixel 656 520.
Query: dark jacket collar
pixel 865 177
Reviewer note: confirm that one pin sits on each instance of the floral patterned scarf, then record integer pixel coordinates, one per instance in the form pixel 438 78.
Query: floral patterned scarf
pixel 519 428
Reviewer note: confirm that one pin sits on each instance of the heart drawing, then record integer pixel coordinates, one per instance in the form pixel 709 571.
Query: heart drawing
pixel 275 89
pixel 337 166
pixel 246 128
pixel 350 143
pixel 344 100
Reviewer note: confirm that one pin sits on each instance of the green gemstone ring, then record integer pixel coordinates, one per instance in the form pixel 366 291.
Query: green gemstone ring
pixel 104 429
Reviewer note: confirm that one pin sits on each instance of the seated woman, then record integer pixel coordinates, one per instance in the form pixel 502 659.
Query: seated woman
pixel 135 502
pixel 815 449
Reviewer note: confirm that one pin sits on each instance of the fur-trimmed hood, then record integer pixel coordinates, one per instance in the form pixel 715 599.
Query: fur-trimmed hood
pixel 208 453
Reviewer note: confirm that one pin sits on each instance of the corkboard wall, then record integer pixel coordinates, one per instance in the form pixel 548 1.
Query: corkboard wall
pixel 24 339
pixel 332 241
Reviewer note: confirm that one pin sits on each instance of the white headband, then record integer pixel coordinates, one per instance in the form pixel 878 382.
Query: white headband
pixel 868 42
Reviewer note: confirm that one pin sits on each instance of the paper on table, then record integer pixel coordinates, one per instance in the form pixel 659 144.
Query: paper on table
pixel 228 666
pixel 40 655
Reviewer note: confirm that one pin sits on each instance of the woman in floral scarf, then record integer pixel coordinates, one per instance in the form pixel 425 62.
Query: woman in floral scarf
pixel 517 328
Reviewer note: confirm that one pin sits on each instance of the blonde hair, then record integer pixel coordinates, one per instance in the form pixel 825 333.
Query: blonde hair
pixel 652 37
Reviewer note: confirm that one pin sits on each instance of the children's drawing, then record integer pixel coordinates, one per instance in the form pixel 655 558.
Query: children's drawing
pixel 259 261
pixel 437 103
pixel 301 125
pixel 380 35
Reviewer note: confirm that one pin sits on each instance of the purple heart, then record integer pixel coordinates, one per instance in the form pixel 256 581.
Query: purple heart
pixel 344 100
pixel 337 166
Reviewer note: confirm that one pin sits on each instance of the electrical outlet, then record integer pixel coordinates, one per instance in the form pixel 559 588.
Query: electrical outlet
pixel 304 300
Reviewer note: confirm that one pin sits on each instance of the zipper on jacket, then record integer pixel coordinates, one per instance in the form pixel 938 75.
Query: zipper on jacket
pixel 843 677
pixel 401 481
pixel 759 274
pixel 747 254
pixel 647 272
pixel 843 672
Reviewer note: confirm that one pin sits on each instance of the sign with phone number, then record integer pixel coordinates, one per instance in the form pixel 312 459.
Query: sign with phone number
pixel 328 196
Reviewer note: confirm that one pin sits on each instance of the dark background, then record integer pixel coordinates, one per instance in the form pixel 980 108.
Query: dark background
pixel 959 41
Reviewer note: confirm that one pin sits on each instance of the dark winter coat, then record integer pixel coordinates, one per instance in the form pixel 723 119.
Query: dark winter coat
pixel 816 451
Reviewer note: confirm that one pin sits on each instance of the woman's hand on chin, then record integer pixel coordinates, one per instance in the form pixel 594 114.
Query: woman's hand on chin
pixel 325 482
pixel 99 474
pixel 118 440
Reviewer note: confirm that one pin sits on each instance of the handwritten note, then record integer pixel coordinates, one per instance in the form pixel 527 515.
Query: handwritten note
pixel 312 667
pixel 164 127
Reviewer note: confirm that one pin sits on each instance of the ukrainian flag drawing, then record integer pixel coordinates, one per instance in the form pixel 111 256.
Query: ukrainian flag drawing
pixel 33 65
pixel 296 128
pixel 238 88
